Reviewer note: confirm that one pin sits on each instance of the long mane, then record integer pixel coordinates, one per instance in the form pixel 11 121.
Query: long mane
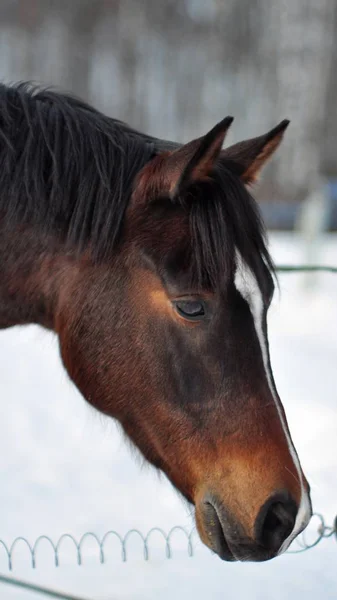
pixel 66 167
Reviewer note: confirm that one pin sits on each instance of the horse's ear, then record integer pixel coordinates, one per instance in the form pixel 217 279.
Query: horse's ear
pixel 170 173
pixel 247 158
pixel 197 158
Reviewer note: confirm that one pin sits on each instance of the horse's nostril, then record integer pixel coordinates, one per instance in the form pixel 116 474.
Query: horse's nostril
pixel 275 522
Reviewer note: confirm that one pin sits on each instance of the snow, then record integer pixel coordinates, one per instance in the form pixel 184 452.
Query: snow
pixel 64 468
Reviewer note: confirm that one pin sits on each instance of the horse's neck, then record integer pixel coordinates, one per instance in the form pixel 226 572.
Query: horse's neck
pixel 28 278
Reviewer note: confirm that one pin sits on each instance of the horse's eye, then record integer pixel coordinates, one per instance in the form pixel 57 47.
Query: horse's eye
pixel 190 309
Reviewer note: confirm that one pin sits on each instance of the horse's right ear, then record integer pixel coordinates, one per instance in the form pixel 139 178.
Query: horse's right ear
pixel 194 161
pixel 170 173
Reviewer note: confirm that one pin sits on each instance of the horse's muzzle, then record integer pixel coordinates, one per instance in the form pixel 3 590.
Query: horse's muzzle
pixel 226 536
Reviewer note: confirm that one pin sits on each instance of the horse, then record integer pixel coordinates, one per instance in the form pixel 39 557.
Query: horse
pixel 148 259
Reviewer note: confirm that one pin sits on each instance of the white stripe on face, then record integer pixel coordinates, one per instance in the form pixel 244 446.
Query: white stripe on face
pixel 247 285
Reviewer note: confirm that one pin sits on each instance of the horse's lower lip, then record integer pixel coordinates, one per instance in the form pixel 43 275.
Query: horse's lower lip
pixel 218 541
pixel 224 552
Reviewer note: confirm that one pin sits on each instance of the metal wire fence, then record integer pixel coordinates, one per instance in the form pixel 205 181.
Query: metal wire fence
pixel 322 531
pixel 31 587
pixel 306 541
pixel 305 269
pixel 123 542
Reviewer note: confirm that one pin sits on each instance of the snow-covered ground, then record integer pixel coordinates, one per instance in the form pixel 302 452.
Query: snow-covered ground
pixel 64 468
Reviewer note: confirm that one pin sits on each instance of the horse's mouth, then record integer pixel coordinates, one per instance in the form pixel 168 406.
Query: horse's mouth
pixel 223 550
pixel 216 538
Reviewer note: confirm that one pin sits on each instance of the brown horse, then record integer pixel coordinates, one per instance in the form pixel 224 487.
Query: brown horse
pixel 148 260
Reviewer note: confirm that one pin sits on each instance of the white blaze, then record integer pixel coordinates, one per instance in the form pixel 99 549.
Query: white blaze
pixel 247 286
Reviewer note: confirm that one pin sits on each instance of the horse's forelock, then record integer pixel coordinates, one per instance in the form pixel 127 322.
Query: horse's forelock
pixel 212 221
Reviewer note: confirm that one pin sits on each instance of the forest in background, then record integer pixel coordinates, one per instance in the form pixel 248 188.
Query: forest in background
pixel 173 68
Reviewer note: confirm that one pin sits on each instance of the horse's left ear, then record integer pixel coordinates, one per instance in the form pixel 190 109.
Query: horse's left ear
pixel 247 158
pixel 194 161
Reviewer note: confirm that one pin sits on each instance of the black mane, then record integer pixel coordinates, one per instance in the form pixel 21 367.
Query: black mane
pixel 66 167
pixel 69 169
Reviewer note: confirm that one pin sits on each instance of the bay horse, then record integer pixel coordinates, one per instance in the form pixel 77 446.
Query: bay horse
pixel 148 259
